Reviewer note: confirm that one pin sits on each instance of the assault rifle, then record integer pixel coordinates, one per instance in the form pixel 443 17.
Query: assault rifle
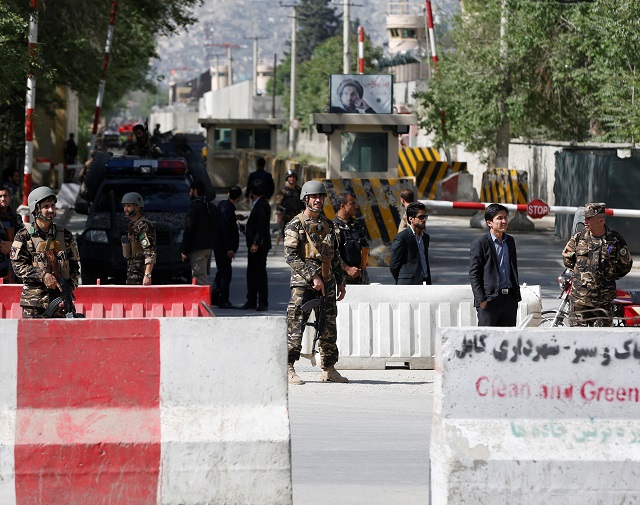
pixel 66 297
pixel 319 307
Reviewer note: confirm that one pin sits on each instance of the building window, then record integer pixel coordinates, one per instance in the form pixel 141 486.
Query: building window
pixel 222 138
pixel 364 152
pixel 263 138
pixel 244 138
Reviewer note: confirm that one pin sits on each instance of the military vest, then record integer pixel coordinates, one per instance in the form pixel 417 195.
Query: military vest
pixel 54 244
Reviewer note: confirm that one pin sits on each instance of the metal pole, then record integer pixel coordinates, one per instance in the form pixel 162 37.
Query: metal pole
pixel 432 35
pixel 103 80
pixel 273 86
pixel 346 64
pixel 361 49
pixel 229 66
pixel 31 102
pixel 255 65
pixel 292 97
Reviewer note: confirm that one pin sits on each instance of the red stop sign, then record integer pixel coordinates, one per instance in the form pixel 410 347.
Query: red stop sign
pixel 537 209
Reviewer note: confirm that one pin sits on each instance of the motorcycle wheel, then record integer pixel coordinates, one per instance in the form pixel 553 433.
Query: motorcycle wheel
pixel 547 318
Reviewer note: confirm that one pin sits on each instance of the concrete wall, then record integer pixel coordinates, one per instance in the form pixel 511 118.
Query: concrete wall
pixel 536 416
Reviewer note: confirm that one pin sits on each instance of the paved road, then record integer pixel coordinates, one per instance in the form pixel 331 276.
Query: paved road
pixel 367 442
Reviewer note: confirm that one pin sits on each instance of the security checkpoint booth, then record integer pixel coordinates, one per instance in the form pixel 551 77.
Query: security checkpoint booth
pixel 233 144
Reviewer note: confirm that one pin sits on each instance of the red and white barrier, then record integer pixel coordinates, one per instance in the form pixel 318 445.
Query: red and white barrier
pixel 144 411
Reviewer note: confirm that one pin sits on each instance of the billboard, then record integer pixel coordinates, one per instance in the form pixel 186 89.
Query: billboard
pixel 361 94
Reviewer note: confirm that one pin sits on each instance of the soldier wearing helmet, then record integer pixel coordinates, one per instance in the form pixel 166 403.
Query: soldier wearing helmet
pixel 288 203
pixel 311 250
pixel 40 252
pixel 139 245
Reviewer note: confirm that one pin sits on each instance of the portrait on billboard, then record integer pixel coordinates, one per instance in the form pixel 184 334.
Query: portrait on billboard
pixel 361 94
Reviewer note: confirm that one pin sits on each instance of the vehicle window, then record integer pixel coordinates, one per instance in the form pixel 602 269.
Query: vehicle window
pixel 169 197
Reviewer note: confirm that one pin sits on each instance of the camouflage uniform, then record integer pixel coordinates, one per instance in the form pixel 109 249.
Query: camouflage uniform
pixel 305 263
pixel 140 249
pixel 147 148
pixel 29 262
pixel 597 262
pixel 352 237
pixel 288 204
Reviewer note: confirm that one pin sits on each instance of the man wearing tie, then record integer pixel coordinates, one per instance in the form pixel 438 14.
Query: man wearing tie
pixel 493 271
pixel 409 263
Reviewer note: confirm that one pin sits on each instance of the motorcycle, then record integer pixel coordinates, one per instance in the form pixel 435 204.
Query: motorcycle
pixel 625 306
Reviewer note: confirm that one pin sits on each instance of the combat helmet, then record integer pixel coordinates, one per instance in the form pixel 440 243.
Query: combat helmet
pixel 312 188
pixel 135 198
pixel 291 172
pixel 37 196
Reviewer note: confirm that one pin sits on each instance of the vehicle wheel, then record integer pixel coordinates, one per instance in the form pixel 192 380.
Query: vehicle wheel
pixel 94 175
pixel 547 317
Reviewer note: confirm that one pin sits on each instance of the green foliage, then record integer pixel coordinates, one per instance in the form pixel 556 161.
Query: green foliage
pixel 317 22
pixel 71 43
pixel 568 72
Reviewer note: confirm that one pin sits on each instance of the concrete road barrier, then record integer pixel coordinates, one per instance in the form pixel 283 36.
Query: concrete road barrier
pixel 382 324
pixel 144 411
pixel 536 416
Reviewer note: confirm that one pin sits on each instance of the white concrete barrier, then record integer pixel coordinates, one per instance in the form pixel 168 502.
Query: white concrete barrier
pixel 381 324
pixel 176 411
pixel 536 416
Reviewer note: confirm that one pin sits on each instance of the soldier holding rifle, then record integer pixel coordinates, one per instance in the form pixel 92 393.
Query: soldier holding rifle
pixel 311 250
pixel 45 256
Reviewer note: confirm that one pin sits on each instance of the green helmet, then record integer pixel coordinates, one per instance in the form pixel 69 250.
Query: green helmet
pixel 38 195
pixel 133 198
pixel 312 188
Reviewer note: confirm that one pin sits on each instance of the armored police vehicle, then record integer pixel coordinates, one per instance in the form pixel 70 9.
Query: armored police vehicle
pixel 164 185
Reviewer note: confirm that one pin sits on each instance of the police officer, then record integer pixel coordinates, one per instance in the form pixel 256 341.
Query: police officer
pixel 142 146
pixel 40 252
pixel 139 245
pixel 598 257
pixel 310 249
pixel 352 240
pixel 288 203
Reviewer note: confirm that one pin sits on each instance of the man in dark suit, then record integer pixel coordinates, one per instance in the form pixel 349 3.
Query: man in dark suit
pixel 258 233
pixel 261 174
pixel 493 271
pixel 225 249
pixel 409 262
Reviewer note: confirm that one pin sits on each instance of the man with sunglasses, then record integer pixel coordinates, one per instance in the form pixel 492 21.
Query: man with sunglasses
pixel 409 263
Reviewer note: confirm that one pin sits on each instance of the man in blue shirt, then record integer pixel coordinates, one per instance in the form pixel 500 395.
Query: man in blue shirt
pixel 493 271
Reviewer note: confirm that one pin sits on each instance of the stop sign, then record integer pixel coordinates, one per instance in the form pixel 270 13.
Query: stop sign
pixel 537 209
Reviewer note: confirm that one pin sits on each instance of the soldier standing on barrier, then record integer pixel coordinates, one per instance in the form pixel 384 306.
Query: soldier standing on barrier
pixel 139 245
pixel 29 251
pixel 310 248
pixel 598 257
pixel 288 203
pixel 352 241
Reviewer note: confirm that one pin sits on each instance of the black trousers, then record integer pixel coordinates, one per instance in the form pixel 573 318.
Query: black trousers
pixel 257 285
pixel 222 281
pixel 501 311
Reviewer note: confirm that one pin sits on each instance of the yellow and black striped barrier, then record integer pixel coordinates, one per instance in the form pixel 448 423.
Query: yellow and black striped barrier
pixel 379 206
pixel 423 163
pixel 505 185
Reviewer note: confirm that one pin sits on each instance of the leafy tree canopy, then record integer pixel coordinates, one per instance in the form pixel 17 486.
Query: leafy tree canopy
pixel 317 21
pixel 564 71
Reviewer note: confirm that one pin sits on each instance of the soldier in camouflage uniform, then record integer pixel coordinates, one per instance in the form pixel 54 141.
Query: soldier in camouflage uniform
pixel 28 256
pixel 139 245
pixel 288 203
pixel 352 240
pixel 310 249
pixel 598 257
pixel 143 146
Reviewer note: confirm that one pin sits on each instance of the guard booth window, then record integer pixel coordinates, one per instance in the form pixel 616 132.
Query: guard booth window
pixel 223 138
pixel 363 152
pixel 248 138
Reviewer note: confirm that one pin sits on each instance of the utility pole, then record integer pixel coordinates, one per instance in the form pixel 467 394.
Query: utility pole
pixel 504 131
pixel 255 62
pixel 346 29
pixel 228 47
pixel 292 91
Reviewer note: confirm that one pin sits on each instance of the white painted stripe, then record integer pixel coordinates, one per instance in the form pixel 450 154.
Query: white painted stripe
pixel 88 426
pixel 8 406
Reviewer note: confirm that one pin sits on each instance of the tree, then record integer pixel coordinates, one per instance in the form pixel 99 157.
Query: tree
pixel 317 22
pixel 568 72
pixel 71 40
